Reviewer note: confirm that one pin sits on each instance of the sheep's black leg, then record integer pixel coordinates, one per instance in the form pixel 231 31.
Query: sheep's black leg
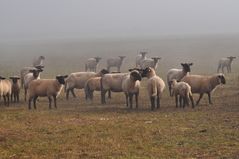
pixel 12 97
pixel 184 101
pixel 73 93
pixel 200 97
pixel 103 92
pixel 25 93
pixel 8 99
pixel 67 94
pixel 109 94
pixel 209 97
pixel 131 100
pixel 29 103
pixel 18 97
pixel 180 101
pixel 34 102
pixel 49 98
pixel 228 71
pixel 170 90
pixel 54 98
pixel 91 95
pixel 136 100
pixel 176 100
pixel 191 98
pixel 4 98
pixel 158 102
pixel 127 99
pixel 152 99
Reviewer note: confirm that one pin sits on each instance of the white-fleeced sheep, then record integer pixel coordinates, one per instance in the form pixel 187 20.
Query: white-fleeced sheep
pixel 150 62
pixel 38 62
pixel 28 78
pixel 130 87
pixel 15 88
pixel 178 74
pixel 204 84
pixel 5 90
pixel 139 58
pixel 77 80
pixel 50 88
pixel 155 86
pixel 183 90
pixel 115 62
pixel 92 64
pixel 225 62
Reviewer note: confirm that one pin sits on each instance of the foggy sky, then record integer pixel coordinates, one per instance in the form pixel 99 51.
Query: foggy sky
pixel 86 19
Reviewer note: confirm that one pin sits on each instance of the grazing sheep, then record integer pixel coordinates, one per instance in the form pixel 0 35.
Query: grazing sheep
pixel 115 62
pixel 130 86
pixel 92 64
pixel 15 88
pixel 32 75
pixel 78 79
pixel 45 88
pixel 225 62
pixel 38 62
pixel 204 84
pixel 140 57
pixel 183 90
pixel 177 74
pixel 5 90
pixel 155 86
pixel 150 62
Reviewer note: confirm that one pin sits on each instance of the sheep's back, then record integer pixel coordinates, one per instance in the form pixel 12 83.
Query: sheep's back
pixel 198 83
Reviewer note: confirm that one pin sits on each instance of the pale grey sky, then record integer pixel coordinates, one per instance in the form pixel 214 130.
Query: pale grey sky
pixel 86 19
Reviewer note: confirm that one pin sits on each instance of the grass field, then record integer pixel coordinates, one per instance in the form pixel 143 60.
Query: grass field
pixel 80 129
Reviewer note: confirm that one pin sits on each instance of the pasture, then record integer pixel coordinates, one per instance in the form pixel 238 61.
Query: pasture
pixel 81 129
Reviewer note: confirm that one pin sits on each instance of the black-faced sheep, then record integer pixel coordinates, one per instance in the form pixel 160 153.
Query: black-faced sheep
pixel 5 90
pixel 115 62
pixel 140 58
pixel 225 62
pixel 150 62
pixel 92 64
pixel 15 88
pixel 38 62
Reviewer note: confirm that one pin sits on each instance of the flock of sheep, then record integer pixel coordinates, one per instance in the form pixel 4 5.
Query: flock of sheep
pixel 180 83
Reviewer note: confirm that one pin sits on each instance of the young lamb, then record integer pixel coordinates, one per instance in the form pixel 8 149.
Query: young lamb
pixel 5 90
pixel 204 84
pixel 15 88
pixel 130 86
pixel 28 78
pixel 225 62
pixel 183 90
pixel 38 62
pixel 115 62
pixel 45 88
pixel 92 64
pixel 177 74
pixel 140 57
pixel 155 86
pixel 78 79
pixel 150 62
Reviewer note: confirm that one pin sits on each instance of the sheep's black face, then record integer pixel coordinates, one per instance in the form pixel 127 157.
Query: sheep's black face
pixel 61 79
pixel 14 79
pixel 136 76
pixel 145 72
pixel 186 66
pixel 222 79
pixel 231 58
pixel 104 71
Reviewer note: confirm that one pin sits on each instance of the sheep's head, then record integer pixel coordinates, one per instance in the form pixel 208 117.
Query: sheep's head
pixel 2 78
pixel 221 79
pixel 61 79
pixel 41 57
pixel 39 67
pixel 186 66
pixel 14 79
pixel 137 69
pixel 143 53
pixel 97 58
pixel 156 59
pixel 122 57
pixel 36 72
pixel 135 75
pixel 104 71
pixel 147 72
pixel 231 58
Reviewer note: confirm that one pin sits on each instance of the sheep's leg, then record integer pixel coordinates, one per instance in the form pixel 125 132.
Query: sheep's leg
pixel 67 94
pixel 103 92
pixel 118 68
pixel 176 100
pixel 152 99
pixel 8 99
pixel 184 101
pixel 136 100
pixel 127 99
pixel 109 94
pixel 131 100
pixel 191 98
pixel 200 97
pixel 209 97
pixel 18 97
pixel 4 98
pixel 34 102
pixel 12 97
pixel 91 95
pixel 170 90
pixel 25 93
pixel 29 102
pixel 228 71
pixel 49 99
pixel 54 98
pixel 180 101
pixel 158 102
pixel 73 93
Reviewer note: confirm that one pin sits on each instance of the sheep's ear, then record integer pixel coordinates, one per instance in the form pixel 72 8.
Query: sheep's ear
pixel 130 70
pixel 65 76
pixel 190 64
pixel 182 64
pixel 2 78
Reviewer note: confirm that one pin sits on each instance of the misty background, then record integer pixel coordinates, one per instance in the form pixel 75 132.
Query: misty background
pixel 68 32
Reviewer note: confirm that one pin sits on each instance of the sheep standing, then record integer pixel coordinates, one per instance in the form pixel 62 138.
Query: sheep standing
pixel 32 75
pixel 5 90
pixel 130 86
pixel 45 88
pixel 225 62
pixel 204 84
pixel 15 88
pixel 78 79
pixel 115 62
pixel 150 62
pixel 183 90
pixel 92 64
pixel 140 58
pixel 155 86
pixel 38 62
pixel 178 74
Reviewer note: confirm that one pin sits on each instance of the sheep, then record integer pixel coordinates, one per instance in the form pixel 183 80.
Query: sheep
pixel 155 86
pixel 45 88
pixel 32 75
pixel 204 84
pixel 115 62
pixel 150 62
pixel 184 91
pixel 225 62
pixel 140 57
pixel 92 63
pixel 130 86
pixel 38 62
pixel 15 88
pixel 178 74
pixel 5 90
pixel 77 80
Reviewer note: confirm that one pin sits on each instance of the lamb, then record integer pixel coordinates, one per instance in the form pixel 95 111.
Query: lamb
pixel 155 86
pixel 140 58
pixel 178 74
pixel 183 90
pixel 225 62
pixel 38 62
pixel 15 88
pixel 115 62
pixel 78 79
pixel 204 84
pixel 5 90
pixel 130 86
pixel 150 62
pixel 32 75
pixel 45 88
pixel 92 64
